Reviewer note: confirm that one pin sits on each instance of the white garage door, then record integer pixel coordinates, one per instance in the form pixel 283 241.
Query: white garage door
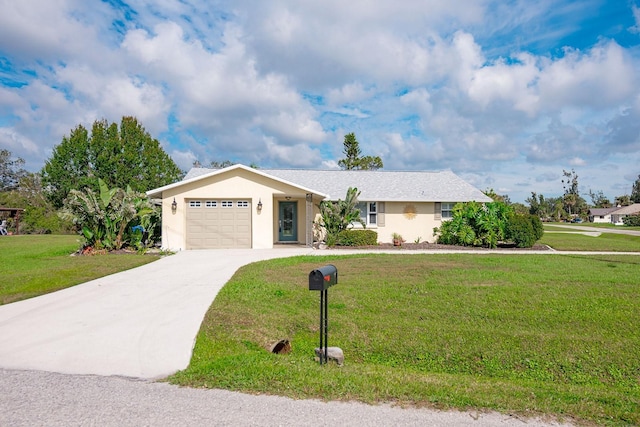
pixel 218 224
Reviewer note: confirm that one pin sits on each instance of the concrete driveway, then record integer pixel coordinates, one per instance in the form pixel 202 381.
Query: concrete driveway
pixel 138 323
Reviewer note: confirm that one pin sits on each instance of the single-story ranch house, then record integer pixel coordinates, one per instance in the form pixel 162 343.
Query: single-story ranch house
pixel 242 207
pixel 613 215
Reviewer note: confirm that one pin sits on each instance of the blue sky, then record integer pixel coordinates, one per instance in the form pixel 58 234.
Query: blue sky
pixel 506 94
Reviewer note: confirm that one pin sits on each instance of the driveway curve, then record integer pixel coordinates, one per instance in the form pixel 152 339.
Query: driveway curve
pixel 138 323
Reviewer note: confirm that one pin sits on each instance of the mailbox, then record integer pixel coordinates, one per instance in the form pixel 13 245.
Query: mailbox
pixel 323 278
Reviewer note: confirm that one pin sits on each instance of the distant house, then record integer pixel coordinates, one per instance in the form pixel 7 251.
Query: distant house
pixel 618 214
pixel 601 215
pixel 613 215
pixel 242 207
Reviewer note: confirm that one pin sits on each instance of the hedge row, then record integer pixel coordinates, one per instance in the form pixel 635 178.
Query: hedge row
pixel 357 238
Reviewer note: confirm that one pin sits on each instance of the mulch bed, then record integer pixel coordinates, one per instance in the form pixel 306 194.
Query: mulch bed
pixel 435 246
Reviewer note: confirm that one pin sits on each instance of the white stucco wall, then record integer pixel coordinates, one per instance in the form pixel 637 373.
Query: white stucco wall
pixel 236 184
pixel 401 218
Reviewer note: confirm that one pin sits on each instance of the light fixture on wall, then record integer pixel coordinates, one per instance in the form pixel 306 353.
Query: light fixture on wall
pixel 174 206
pixel 259 205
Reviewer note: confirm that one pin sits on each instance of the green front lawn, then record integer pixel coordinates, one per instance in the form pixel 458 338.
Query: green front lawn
pixel 573 241
pixel 32 265
pixel 525 334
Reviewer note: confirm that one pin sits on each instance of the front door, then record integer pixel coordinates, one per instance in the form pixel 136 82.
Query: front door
pixel 288 222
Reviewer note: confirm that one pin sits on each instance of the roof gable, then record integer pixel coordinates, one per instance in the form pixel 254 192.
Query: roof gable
pixel 199 174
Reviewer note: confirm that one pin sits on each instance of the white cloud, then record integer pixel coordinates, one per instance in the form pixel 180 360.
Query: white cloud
pixel 599 78
pixel 300 156
pixel 636 17
pixel 14 141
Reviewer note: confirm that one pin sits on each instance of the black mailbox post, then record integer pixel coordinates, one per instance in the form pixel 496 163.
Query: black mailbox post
pixel 321 279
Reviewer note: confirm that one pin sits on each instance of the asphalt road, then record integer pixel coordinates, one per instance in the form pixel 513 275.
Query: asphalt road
pixel 37 398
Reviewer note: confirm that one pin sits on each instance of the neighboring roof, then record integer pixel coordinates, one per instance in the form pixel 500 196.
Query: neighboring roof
pixel 601 211
pixel 403 186
pixel 627 210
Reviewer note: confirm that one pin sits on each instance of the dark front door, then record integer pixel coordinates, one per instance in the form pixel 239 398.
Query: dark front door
pixel 288 222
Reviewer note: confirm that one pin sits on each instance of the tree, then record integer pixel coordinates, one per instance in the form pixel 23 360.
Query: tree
pixel 490 192
pixel 624 200
pixel 39 216
pixel 573 203
pixel 599 200
pixel 11 171
pixel 353 159
pixel 120 156
pixel 635 191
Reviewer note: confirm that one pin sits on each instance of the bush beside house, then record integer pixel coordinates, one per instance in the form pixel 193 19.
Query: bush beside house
pixel 487 225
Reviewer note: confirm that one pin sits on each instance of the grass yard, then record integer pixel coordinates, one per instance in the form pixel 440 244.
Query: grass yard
pixel 596 225
pixel 607 242
pixel 526 334
pixel 32 265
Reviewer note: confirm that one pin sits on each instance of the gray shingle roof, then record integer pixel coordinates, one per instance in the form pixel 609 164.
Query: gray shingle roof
pixel 401 186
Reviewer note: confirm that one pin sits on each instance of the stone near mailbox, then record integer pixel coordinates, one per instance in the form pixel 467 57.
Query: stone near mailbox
pixel 322 278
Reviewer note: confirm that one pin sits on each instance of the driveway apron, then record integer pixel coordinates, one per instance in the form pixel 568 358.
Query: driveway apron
pixel 138 323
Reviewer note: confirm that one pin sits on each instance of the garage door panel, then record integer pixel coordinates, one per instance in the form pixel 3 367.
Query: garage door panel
pixel 218 224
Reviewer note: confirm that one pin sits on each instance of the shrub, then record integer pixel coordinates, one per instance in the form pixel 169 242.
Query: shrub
pixel 538 229
pixel 520 231
pixel 357 238
pixel 632 220
pixel 475 224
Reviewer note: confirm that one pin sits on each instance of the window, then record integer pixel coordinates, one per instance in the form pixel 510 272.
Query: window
pixel 195 203
pixel 368 212
pixel 211 204
pixel 447 210
pixel 227 204
pixel 243 204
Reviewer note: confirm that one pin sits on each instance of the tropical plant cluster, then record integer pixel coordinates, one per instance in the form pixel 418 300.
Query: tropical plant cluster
pixel 487 225
pixel 339 216
pixel 112 219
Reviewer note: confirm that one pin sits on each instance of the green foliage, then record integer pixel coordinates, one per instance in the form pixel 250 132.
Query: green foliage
pixel 353 159
pixel 632 220
pixel 106 219
pixel 39 216
pixel 122 156
pixel 546 208
pixel 340 215
pixel 521 232
pixel 635 191
pixel 573 203
pixel 357 238
pixel 538 228
pixel 624 200
pixel 599 200
pixel 475 224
